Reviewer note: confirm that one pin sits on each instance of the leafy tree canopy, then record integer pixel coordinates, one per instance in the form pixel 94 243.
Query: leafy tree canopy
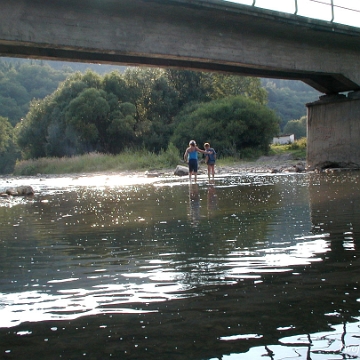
pixel 20 82
pixel 230 124
pixel 5 133
pixel 296 127
pixel 108 113
pixel 80 116
pixel 8 150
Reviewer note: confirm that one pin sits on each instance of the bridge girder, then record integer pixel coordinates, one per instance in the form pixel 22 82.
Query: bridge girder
pixel 211 35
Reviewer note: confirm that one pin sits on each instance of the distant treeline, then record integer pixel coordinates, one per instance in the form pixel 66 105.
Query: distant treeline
pixel 41 77
pixel 147 108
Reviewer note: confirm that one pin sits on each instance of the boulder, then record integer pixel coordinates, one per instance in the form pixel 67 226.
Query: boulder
pixel 275 170
pixel 20 191
pixel 181 170
pixel 11 191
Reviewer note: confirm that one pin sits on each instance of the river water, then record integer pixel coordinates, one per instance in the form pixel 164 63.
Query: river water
pixel 250 267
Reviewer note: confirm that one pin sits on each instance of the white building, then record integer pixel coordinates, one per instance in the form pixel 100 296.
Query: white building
pixel 284 139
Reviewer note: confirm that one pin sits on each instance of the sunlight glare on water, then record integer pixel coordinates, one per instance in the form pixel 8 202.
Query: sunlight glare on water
pixel 254 261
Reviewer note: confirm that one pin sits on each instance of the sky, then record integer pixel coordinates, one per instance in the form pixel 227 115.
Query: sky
pixel 345 11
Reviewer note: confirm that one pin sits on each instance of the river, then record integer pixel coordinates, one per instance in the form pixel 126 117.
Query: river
pixel 255 266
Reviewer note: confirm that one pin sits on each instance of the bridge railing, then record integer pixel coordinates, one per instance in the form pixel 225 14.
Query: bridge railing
pixel 338 12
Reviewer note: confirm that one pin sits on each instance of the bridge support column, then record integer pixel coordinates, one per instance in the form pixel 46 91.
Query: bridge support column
pixel 333 131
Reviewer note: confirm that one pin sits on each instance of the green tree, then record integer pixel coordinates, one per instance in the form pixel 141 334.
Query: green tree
pixel 157 102
pixel 296 127
pixel 10 109
pixel 31 132
pixel 139 83
pixel 5 133
pixel 88 112
pixel 231 85
pixel 159 95
pixel 87 115
pixel 232 125
pixel 121 128
pixel 114 83
pixel 79 117
pixel 21 82
pixel 9 153
pixel 162 107
pixel 191 86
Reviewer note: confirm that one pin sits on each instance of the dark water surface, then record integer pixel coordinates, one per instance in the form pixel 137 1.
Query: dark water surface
pixel 253 267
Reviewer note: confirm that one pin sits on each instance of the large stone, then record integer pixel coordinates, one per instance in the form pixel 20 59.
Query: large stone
pixel 181 170
pixel 11 191
pixel 20 191
pixel 300 167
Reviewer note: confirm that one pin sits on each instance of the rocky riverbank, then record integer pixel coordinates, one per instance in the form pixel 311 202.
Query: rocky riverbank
pixel 265 164
pixel 11 186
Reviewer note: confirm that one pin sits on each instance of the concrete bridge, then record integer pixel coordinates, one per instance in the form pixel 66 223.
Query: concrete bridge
pixel 206 35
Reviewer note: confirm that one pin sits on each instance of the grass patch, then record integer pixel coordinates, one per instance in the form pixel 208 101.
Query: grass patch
pixel 138 160
pixel 297 149
pixel 96 162
pixel 231 161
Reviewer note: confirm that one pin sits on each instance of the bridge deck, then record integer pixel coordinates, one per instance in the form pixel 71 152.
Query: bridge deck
pixel 211 35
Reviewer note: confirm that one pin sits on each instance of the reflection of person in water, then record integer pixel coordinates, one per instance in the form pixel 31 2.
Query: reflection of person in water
pixel 194 204
pixel 212 200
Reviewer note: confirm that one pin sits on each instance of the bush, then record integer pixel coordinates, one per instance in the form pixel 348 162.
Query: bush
pixel 231 125
pixel 298 144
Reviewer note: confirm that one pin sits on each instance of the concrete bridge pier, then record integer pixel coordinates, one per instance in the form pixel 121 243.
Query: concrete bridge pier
pixel 333 131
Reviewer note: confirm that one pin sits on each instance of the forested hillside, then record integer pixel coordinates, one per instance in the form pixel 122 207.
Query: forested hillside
pixel 286 97
pixel 64 109
pixel 144 108
pixel 289 98
pixel 20 82
pixel 100 69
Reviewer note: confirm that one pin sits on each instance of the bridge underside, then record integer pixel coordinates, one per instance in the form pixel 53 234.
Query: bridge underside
pixel 333 129
pixel 326 83
pixel 212 35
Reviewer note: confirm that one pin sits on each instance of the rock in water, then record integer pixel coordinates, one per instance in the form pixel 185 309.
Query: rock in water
pixel 20 191
pixel 181 171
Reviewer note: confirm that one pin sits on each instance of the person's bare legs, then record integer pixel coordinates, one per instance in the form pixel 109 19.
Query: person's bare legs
pixel 211 170
pixel 195 176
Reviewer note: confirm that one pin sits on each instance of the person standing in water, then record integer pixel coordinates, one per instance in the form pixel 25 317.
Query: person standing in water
pixel 191 157
pixel 210 160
